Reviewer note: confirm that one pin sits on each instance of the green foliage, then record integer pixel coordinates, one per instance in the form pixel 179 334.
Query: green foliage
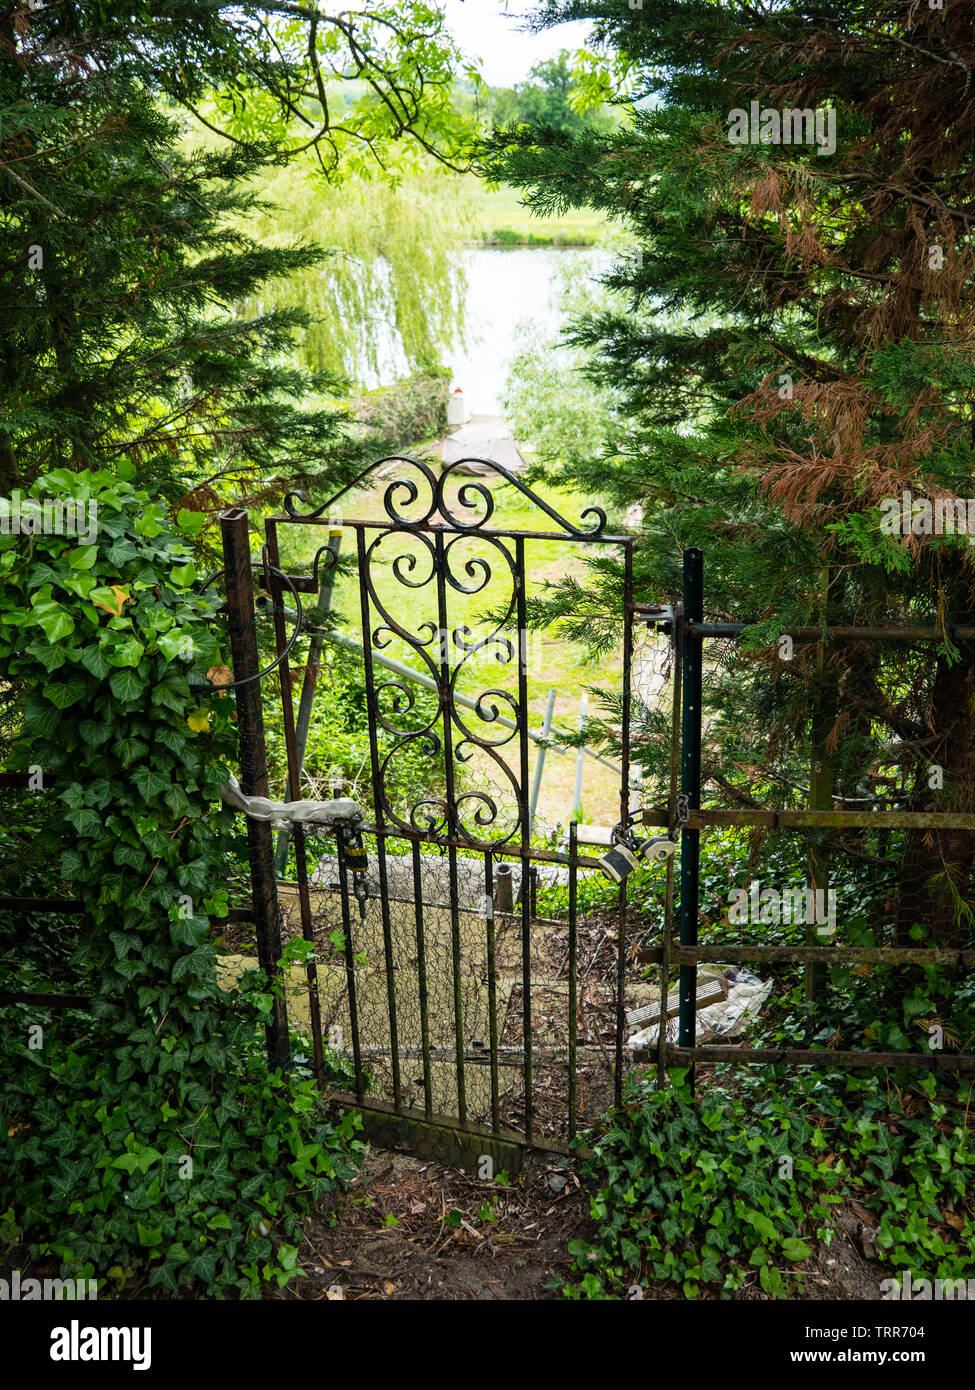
pixel 144 1139
pixel 713 1192
pixel 409 411
pixel 783 351
pixel 548 97
pixel 129 254
pixel 390 276
pixel 550 402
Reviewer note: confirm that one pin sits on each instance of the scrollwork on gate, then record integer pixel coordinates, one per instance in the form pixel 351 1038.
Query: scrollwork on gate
pixel 475 736
pixel 452 735
pixel 470 511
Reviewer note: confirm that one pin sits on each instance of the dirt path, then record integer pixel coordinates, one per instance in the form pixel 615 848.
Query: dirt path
pixel 412 1230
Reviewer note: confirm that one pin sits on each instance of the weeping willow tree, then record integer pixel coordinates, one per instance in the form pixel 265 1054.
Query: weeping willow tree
pixel 394 275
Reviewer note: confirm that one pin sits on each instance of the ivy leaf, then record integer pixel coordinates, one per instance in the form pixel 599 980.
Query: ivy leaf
pixel 190 523
pixel 54 621
pixel 183 575
pixel 126 653
pixel 93 660
pixel 40 717
pixel 111 598
pixel 131 748
pixel 149 782
pixel 64 693
pixel 762 1224
pixel 795 1249
pixel 126 685
pixel 82 557
pixel 178 644
pixel 169 696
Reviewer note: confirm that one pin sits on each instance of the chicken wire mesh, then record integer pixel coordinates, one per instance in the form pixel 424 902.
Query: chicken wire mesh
pixel 438 981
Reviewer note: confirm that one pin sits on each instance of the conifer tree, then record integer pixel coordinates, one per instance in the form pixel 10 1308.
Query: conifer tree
pixel 125 254
pixel 795 347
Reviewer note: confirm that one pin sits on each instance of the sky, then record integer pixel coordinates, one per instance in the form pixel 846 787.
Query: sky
pixel 489 30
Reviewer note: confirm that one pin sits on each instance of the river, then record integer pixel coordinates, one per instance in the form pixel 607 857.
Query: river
pixel 505 288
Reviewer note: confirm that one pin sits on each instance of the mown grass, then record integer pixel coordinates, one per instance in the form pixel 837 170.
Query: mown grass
pixel 503 220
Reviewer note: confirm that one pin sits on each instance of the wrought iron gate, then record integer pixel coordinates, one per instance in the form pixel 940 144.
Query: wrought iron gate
pixel 454 999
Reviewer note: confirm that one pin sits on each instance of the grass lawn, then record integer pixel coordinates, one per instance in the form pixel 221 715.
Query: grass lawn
pixel 503 219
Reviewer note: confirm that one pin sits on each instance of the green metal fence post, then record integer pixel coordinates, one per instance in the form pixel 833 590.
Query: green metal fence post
pixel 690 841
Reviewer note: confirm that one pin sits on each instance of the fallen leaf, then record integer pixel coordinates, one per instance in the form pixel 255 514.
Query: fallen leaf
pixel 199 721
pixel 954 1220
pixel 388 1287
pixel 220 676
pixel 864 1214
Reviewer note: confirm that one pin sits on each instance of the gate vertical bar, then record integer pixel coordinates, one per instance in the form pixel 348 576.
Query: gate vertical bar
pixel 309 684
pixel 379 814
pixel 624 814
pixel 672 830
pixel 241 618
pixel 360 1089
pixel 450 798
pixel 524 812
pixel 421 970
pixel 294 777
pixel 692 657
pixel 492 988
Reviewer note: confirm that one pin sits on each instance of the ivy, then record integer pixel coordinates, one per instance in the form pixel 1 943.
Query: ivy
pixel 144 1142
pixel 713 1191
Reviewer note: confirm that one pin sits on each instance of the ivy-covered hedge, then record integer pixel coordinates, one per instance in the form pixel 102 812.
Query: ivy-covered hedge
pixel 143 1142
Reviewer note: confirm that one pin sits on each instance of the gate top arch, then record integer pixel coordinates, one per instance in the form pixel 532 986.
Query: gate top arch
pixel 416 502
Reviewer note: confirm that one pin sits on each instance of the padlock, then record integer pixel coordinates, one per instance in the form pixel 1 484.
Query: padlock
pixel 356 858
pixel 620 860
pixel 618 863
pixel 657 850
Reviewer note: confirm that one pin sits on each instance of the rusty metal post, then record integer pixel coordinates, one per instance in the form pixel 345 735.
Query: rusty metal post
pixel 690 841
pixel 253 766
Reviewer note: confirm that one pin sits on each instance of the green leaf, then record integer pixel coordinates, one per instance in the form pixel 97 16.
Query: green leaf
pixel 83 557
pixel 54 621
pixel 128 652
pixel 184 575
pixel 93 660
pixel 762 1224
pixel 126 685
pixel 149 782
pixel 795 1249
pixel 64 693
pixel 190 523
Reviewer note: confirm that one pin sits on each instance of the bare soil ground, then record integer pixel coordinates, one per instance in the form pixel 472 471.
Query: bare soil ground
pixel 411 1230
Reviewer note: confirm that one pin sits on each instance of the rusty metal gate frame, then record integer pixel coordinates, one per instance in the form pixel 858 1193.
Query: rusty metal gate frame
pixel 689 632
pixel 438 523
